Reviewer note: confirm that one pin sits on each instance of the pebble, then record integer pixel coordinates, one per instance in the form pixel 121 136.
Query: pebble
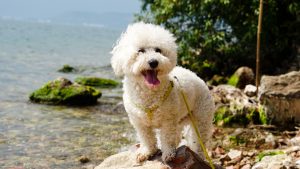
pixel 84 159
pixel 247 166
pixel 234 154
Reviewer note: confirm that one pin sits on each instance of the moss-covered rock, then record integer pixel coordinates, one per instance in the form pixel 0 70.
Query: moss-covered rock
pixel 95 81
pixel 67 69
pixel 236 108
pixel 62 91
pixel 241 77
pixel 226 116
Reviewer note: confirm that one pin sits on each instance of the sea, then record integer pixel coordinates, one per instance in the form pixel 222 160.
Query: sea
pixel 47 136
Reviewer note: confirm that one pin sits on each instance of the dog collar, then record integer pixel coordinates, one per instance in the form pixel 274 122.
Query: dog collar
pixel 150 110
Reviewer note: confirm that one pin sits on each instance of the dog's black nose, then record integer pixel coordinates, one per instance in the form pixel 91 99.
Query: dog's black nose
pixel 153 63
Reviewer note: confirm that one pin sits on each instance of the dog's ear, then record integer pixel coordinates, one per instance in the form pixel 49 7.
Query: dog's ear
pixel 117 60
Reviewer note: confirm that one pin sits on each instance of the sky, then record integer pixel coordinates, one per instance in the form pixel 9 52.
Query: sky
pixel 51 8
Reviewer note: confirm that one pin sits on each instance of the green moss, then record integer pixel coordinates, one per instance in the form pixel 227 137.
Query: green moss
pixel 64 92
pixel 237 140
pixel 261 155
pixel 224 116
pixel 95 81
pixel 217 80
pixel 233 80
pixel 263 115
pixel 67 69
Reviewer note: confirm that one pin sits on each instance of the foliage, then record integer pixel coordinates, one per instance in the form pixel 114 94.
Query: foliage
pixel 218 36
pixel 233 80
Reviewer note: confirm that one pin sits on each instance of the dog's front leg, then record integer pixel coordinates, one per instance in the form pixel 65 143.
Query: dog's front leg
pixel 169 141
pixel 148 141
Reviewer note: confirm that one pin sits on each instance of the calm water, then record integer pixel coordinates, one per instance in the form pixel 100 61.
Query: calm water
pixel 41 136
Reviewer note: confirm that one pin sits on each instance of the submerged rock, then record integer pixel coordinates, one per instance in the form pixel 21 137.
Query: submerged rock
pixel 67 69
pixel 242 77
pixel 281 96
pixel 96 81
pixel 63 91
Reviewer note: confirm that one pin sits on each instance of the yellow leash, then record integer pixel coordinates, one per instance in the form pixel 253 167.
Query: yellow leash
pixel 149 110
pixel 195 126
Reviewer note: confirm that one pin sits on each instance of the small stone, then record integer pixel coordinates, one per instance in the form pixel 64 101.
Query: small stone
pixel 251 154
pixel 295 141
pixel 292 149
pixel 237 132
pixel 234 154
pixel 90 166
pixel 230 167
pixel 270 139
pixel 219 151
pixel 250 90
pixel 245 153
pixel 247 166
pixel 84 159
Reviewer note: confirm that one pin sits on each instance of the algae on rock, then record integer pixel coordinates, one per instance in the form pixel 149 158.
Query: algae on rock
pixel 97 82
pixel 63 91
pixel 67 69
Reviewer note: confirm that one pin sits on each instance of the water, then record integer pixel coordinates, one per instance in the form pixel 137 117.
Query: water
pixel 41 136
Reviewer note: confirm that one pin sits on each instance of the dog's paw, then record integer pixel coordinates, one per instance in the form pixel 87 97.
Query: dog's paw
pixel 143 154
pixel 169 155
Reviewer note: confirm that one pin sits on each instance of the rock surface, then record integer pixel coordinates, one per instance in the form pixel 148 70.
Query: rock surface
pixel 242 77
pixel 185 159
pixel 63 91
pixel 274 162
pixel 281 96
pixel 250 90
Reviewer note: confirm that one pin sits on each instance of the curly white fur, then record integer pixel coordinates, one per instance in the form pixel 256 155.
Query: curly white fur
pixel 146 83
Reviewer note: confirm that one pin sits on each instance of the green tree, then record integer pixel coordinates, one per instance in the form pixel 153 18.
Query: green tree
pixel 218 36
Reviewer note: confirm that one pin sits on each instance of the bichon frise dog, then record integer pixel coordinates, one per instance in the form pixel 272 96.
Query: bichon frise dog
pixel 146 56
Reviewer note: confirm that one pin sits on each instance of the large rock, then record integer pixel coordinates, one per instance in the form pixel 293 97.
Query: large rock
pixel 281 96
pixel 185 159
pixel 235 107
pixel 242 77
pixel 63 91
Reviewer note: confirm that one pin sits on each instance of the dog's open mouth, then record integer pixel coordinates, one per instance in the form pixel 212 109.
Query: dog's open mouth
pixel 151 77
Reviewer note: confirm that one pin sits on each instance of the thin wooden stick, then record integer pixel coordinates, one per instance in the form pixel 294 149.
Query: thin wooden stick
pixel 258 45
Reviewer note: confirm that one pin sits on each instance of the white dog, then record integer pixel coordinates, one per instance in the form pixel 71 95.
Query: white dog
pixel 146 56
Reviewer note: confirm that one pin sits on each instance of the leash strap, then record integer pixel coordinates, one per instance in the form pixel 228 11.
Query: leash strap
pixel 192 118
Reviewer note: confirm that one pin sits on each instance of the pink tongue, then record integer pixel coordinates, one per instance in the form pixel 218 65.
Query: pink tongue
pixel 151 77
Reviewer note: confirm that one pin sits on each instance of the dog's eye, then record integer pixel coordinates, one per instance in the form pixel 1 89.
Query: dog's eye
pixel 157 50
pixel 142 50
